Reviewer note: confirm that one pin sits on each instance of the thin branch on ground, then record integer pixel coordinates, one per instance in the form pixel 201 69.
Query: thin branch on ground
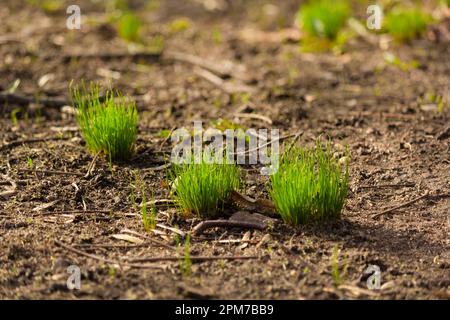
pixel 426 195
pixel 16 143
pixel 56 172
pixel 208 224
pixel 192 258
pixel 10 191
pixel 157 201
pixel 167 138
pixel 159 168
pixel 106 260
pixel 254 116
pixel 382 186
pixel 91 165
pixel 263 145
pixel 157 242
pixel 224 85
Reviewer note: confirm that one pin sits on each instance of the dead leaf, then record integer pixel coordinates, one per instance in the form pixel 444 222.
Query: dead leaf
pixel 265 240
pixel 45 206
pixel 357 291
pixel 248 203
pixel 245 216
pixel 128 238
pixel 246 236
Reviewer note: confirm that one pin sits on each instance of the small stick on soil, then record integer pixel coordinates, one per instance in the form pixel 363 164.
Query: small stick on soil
pixel 153 56
pixel 14 98
pixel 254 116
pixel 16 143
pixel 192 258
pixel 11 191
pixel 167 138
pixel 91 165
pixel 158 201
pixel 18 182
pixel 174 230
pixel 227 87
pixel 400 206
pixel 160 168
pixel 399 185
pixel 204 225
pixel 29 32
pixel 50 102
pixel 71 212
pixel 264 145
pixel 78 174
pixel 224 69
pixel 98 258
pixel 120 246
pixel 160 243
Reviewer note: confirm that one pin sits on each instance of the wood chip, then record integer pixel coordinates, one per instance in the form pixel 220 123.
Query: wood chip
pixel 129 238
pixel 45 206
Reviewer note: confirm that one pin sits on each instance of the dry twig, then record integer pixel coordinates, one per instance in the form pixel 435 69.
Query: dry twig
pixel 10 191
pixel 204 225
pixel 192 258
pixel 401 205
pixel 78 174
pixel 106 260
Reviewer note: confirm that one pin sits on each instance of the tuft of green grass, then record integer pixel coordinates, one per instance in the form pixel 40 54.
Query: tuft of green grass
pixel 309 185
pixel 48 6
pixel 179 25
pixel 14 113
pixel 324 18
pixel 129 26
pixel 144 212
pixel 153 213
pixel 406 24
pixel 186 263
pixel 202 188
pixel 30 162
pixel 156 44
pixel 396 61
pixel 108 124
pixel 337 274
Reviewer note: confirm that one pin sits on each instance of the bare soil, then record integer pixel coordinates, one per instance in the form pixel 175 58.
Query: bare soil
pixel 399 151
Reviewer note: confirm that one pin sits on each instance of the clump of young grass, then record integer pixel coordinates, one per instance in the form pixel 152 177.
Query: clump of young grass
pixel 129 26
pixel 338 273
pixel 309 185
pixel 405 24
pixel 203 188
pixel 108 124
pixel 323 18
pixel 148 220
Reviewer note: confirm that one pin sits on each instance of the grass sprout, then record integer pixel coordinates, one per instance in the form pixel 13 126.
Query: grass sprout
pixel 323 18
pixel 186 263
pixel 309 185
pixel 107 124
pixel 337 273
pixel 129 26
pixel 144 211
pixel 406 24
pixel 153 214
pixel 30 162
pixel 201 189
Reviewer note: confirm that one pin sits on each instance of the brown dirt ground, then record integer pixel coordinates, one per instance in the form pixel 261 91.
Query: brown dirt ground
pixel 355 97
